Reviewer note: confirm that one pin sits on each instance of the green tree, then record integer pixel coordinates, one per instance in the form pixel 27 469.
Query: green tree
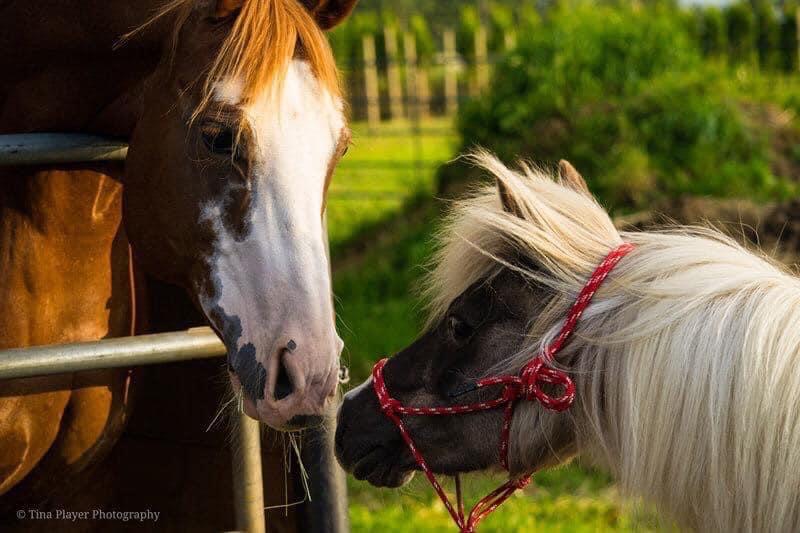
pixel 426 47
pixel 713 35
pixel 767 33
pixel 501 19
pixel 741 29
pixel 469 20
pixel 787 41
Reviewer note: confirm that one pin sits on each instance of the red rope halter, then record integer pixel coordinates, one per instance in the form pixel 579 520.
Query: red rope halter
pixel 526 386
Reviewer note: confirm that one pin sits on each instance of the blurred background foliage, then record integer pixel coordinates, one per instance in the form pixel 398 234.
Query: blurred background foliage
pixel 653 101
pixel 628 97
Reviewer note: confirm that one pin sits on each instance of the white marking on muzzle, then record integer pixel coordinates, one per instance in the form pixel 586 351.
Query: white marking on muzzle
pixel 276 279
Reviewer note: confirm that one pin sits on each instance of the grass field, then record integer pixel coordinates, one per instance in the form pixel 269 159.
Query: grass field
pixel 383 169
pixel 378 314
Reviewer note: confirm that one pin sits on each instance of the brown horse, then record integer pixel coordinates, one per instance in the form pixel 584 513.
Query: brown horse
pixel 235 121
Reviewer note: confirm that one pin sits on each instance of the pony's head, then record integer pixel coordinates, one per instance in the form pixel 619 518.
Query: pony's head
pixel 509 258
pixel 684 362
pixel 242 125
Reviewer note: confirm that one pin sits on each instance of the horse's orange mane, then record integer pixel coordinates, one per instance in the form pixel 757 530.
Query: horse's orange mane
pixel 261 43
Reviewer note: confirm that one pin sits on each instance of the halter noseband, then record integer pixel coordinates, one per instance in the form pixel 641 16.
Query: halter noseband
pixel 527 386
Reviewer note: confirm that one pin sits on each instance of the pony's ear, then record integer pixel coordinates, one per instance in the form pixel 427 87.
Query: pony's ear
pixel 226 8
pixel 329 13
pixel 572 178
pixel 507 200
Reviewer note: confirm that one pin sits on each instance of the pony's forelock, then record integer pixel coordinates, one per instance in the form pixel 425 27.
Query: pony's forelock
pixel 563 232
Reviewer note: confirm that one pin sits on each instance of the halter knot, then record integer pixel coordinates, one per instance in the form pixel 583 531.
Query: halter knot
pixel 535 374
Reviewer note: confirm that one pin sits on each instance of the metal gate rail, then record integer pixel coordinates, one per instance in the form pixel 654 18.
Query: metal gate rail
pixel 195 343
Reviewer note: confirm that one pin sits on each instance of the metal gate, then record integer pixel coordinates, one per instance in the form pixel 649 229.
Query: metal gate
pixel 327 509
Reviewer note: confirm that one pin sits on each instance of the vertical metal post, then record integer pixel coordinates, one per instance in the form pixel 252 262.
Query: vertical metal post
pixel 327 510
pixel 248 487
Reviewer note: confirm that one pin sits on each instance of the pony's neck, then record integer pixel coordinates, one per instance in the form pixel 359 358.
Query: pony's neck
pixel 690 399
pixel 65 74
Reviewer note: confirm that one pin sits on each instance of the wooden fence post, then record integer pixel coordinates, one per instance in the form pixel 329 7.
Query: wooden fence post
pixel 396 108
pixel 410 50
pixel 450 72
pixel 423 92
pixel 481 58
pixel 371 82
pixel 509 40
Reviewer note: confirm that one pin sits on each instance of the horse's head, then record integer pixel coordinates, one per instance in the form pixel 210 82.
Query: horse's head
pixel 228 168
pixel 502 282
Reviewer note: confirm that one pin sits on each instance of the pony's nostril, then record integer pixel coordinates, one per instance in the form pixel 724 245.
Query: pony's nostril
pixel 283 385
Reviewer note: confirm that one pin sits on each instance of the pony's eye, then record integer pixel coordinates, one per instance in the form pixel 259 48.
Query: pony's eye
pixel 459 330
pixel 218 140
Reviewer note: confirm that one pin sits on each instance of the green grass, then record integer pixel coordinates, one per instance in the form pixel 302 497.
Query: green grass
pixel 381 172
pixel 378 315
pixel 567 499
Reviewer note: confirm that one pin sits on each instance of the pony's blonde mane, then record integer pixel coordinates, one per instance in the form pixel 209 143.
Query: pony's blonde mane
pixel 685 362
pixel 260 45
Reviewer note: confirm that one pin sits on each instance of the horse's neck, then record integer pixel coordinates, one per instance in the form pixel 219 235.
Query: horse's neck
pixel 64 257
pixel 61 71
pixel 61 242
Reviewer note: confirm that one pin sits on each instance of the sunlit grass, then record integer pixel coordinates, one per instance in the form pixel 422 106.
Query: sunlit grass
pixel 561 500
pixel 383 169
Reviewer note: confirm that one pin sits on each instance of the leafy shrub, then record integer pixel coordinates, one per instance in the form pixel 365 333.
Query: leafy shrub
pixel 713 35
pixel 624 95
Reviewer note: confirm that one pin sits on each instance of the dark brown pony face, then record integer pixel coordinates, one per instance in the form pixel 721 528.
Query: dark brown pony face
pixel 228 203
pixel 487 324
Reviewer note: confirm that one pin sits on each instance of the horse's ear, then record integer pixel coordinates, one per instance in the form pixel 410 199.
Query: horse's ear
pixel 507 200
pixel 572 178
pixel 225 8
pixel 329 13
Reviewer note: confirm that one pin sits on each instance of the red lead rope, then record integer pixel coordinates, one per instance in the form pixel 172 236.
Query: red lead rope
pixel 525 386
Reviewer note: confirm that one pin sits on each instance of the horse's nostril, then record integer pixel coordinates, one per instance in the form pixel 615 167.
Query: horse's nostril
pixel 283 385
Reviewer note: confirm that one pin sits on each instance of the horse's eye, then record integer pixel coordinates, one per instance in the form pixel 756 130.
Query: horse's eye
pixel 459 330
pixel 218 140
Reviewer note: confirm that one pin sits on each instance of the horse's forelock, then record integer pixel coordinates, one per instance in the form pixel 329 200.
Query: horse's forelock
pixel 257 51
pixel 263 41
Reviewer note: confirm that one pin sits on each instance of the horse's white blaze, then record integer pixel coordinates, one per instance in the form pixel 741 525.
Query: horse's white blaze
pixel 276 279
